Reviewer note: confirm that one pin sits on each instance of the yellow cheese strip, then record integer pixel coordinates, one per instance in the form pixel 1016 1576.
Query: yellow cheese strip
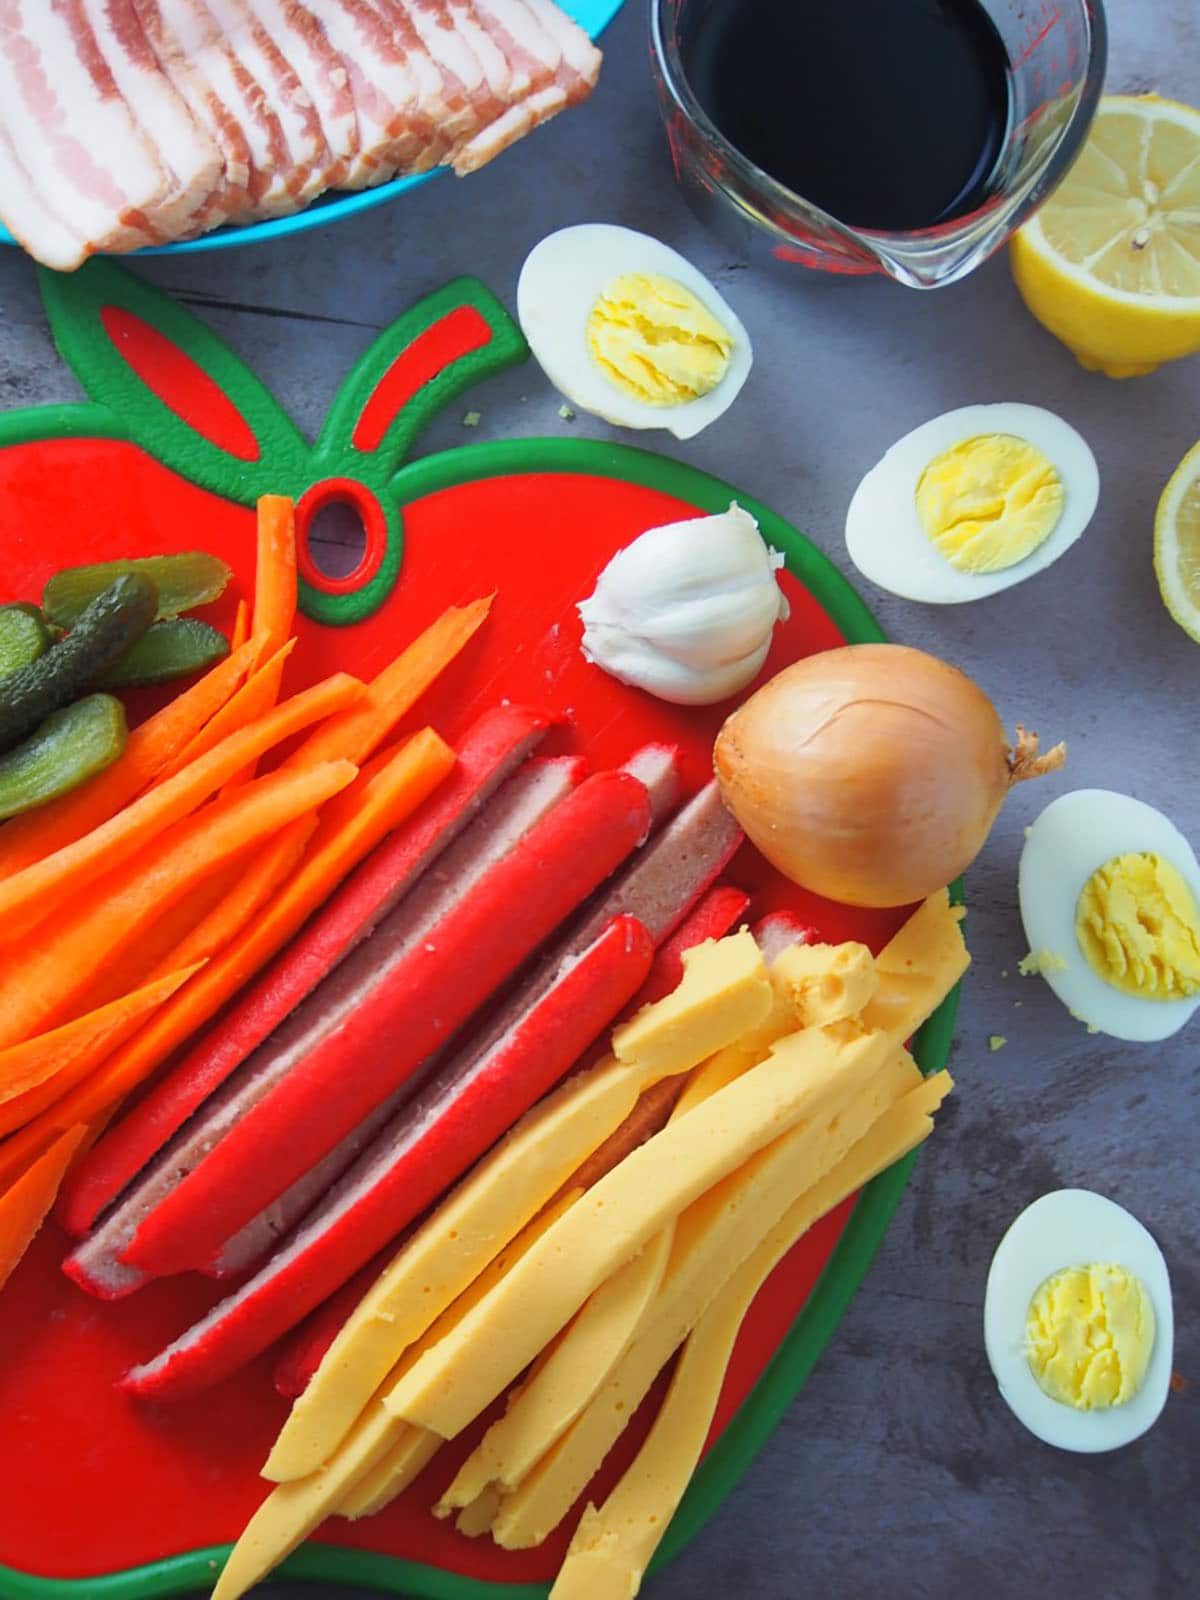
pixel 828 982
pixel 476 1518
pixel 294 1510
pixel 613 1546
pixel 453 1383
pixel 572 1368
pixel 411 1444
pixel 725 974
pixel 503 1192
pixel 918 968
pixel 412 1452
pixel 711 1240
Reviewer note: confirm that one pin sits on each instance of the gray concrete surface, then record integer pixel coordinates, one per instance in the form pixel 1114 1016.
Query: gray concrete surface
pixel 898 1473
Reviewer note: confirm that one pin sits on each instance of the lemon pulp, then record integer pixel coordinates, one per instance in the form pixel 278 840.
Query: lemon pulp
pixel 1111 263
pixel 1177 544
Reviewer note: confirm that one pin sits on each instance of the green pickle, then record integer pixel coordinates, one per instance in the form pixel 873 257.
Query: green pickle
pixel 24 636
pixel 69 747
pixel 113 622
pixel 167 650
pixel 185 581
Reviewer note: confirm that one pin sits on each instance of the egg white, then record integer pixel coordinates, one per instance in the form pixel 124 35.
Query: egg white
pixel 1074 835
pixel 884 535
pixel 1073 1228
pixel 561 281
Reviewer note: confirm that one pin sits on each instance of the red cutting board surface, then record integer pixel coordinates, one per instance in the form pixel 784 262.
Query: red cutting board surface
pixel 94 1482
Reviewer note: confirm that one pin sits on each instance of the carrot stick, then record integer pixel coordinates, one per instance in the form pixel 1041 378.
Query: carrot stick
pixel 42 976
pixel 253 700
pixel 44 886
pixel 275 572
pixel 240 631
pixel 87 1039
pixel 41 833
pixel 24 1206
pixel 399 790
pixel 356 732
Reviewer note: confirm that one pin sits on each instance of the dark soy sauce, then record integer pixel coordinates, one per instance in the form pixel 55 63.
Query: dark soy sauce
pixel 887 114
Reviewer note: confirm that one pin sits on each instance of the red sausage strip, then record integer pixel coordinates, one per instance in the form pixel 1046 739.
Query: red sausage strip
pixel 492 748
pixel 405 1009
pixel 713 917
pixel 521 803
pixel 665 879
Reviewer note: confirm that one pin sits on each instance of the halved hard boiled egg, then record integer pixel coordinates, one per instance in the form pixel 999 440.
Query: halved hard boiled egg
pixel 1078 1322
pixel 629 330
pixel 1110 901
pixel 972 502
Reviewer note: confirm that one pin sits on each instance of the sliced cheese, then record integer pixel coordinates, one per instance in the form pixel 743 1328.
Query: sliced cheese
pixel 456 1380
pixel 294 1510
pixel 712 1238
pixel 613 1546
pixel 412 1452
pixel 918 968
pixel 827 982
pixel 727 992
pixel 724 991
pixel 572 1368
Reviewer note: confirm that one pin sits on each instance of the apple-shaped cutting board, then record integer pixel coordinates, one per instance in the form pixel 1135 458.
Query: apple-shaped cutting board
pixel 104 1497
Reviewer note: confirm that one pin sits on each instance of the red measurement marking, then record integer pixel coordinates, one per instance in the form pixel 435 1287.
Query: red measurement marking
pixel 179 383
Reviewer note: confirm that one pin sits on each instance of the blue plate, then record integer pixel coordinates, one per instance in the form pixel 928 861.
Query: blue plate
pixel 591 15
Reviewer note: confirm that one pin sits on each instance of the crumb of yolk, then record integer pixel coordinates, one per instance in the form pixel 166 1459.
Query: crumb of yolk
pixel 1088 1334
pixel 987 503
pixel 1138 926
pixel 655 340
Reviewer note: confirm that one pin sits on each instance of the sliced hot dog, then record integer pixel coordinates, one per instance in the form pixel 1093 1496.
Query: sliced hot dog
pixel 665 880
pixel 403 1012
pixel 491 749
pixel 713 917
pixel 522 802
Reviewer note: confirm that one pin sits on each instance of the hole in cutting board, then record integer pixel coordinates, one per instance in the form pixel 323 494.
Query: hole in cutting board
pixel 337 538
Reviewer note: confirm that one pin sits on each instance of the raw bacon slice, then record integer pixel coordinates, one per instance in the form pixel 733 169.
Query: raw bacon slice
pixel 188 153
pixel 69 127
pixel 322 73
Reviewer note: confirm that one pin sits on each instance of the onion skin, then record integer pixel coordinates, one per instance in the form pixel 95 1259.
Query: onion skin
pixel 869 774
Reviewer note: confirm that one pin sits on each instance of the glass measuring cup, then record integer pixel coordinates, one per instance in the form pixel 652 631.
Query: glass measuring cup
pixel 1057 51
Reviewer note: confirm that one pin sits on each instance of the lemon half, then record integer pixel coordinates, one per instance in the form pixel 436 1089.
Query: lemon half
pixel 1111 263
pixel 1177 544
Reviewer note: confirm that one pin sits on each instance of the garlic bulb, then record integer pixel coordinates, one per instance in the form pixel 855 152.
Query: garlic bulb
pixel 687 610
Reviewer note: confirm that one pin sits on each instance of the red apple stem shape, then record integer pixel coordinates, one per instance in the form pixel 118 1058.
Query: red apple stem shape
pixel 659 887
pixel 489 752
pixel 712 918
pixel 399 1022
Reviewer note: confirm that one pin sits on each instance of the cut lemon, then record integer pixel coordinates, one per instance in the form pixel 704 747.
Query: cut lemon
pixel 1177 544
pixel 1111 263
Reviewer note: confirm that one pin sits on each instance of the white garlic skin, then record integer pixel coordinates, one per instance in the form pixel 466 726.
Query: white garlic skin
pixel 687 610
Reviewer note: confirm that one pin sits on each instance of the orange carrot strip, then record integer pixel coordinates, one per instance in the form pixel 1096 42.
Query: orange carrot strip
pixel 24 1206
pixel 240 631
pixel 45 886
pixel 42 976
pixel 89 1038
pixel 393 795
pixel 253 700
pixel 60 822
pixel 275 572
pixel 358 731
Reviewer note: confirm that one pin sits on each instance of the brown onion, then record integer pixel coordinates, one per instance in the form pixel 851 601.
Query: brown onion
pixel 871 774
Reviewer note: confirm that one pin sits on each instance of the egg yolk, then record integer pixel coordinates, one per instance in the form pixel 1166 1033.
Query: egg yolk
pixel 1138 926
pixel 655 340
pixel 1089 1334
pixel 987 503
